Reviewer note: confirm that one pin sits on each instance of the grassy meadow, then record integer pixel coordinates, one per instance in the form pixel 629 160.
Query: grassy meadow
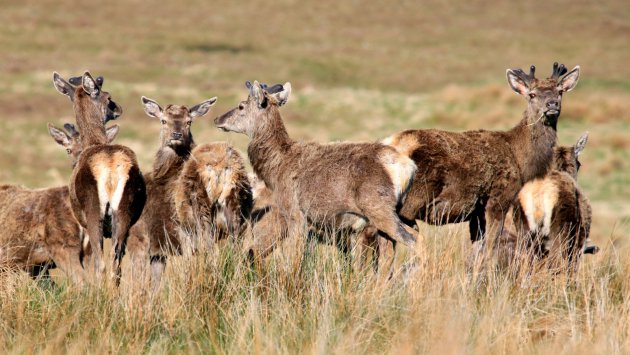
pixel 360 71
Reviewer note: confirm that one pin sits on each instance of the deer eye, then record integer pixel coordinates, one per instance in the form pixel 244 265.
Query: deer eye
pixel 68 150
pixel 241 106
pixel 188 123
pixel 532 95
pixel 163 121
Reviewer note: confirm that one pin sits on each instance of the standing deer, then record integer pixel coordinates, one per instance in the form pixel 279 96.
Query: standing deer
pixel 38 230
pixel 106 183
pixel 552 213
pixel 475 176
pixel 213 195
pixel 158 226
pixel 338 184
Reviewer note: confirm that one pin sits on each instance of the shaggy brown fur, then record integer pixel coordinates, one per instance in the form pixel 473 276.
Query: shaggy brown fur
pixel 213 194
pixel 106 182
pixel 552 213
pixel 475 176
pixel 157 229
pixel 38 230
pixel 324 185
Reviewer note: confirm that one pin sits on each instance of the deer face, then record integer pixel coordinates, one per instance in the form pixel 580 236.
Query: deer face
pixel 70 139
pixel 566 158
pixel 544 97
pixel 176 121
pixel 88 90
pixel 251 113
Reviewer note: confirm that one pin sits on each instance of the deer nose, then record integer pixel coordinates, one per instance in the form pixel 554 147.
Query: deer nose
pixel 176 135
pixel 553 104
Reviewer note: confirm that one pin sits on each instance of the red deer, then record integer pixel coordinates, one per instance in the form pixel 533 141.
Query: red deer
pixel 213 195
pixel 158 227
pixel 475 176
pixel 106 183
pixel 264 228
pixel 325 185
pixel 39 231
pixel 552 213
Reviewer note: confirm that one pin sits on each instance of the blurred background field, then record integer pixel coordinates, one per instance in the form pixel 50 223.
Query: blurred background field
pixel 359 70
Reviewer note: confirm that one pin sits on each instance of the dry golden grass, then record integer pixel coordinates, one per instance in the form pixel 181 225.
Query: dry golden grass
pixel 314 302
pixel 359 72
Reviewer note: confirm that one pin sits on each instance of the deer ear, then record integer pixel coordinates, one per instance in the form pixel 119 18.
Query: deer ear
pixel 151 107
pixel 59 136
pixel 111 132
pixel 569 81
pixel 283 96
pixel 62 86
pixel 202 108
pixel 89 85
pixel 580 144
pixel 256 92
pixel 517 84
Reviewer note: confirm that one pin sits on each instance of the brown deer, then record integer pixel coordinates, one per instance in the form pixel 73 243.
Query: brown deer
pixel 325 185
pixel 552 213
pixel 106 186
pixel 213 194
pixel 158 228
pixel 39 231
pixel 475 176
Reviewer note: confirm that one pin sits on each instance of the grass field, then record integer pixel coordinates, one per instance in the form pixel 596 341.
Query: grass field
pixel 360 71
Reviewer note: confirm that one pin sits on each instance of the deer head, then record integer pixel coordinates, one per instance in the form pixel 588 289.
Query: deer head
pixel 176 121
pixel 88 91
pixel 251 113
pixel 544 97
pixel 70 139
pixel 566 158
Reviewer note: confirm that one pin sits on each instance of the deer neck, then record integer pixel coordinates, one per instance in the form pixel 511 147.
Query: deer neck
pixel 169 162
pixel 532 142
pixel 90 122
pixel 269 146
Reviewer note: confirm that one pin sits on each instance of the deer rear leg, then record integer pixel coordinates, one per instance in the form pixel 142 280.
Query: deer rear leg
pixel 95 233
pixel 268 232
pixel 121 224
pixel 386 221
pixel 158 264
pixel 369 246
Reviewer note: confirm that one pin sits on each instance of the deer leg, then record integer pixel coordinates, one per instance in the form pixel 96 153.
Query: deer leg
pixel 386 221
pixel 368 242
pixel 477 223
pixel 268 231
pixel 120 231
pixel 95 232
pixel 158 264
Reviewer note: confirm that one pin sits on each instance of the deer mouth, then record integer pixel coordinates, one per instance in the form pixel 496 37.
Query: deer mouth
pixel 553 113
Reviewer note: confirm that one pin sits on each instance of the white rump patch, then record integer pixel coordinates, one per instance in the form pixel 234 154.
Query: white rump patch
pixel 401 170
pixel 121 174
pixel 101 183
pixel 538 199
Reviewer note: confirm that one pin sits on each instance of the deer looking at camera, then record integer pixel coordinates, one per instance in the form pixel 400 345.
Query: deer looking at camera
pixel 325 185
pixel 38 230
pixel 158 228
pixel 475 176
pixel 106 184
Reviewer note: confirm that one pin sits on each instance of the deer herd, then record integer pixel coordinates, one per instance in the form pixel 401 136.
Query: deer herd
pixel 516 189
